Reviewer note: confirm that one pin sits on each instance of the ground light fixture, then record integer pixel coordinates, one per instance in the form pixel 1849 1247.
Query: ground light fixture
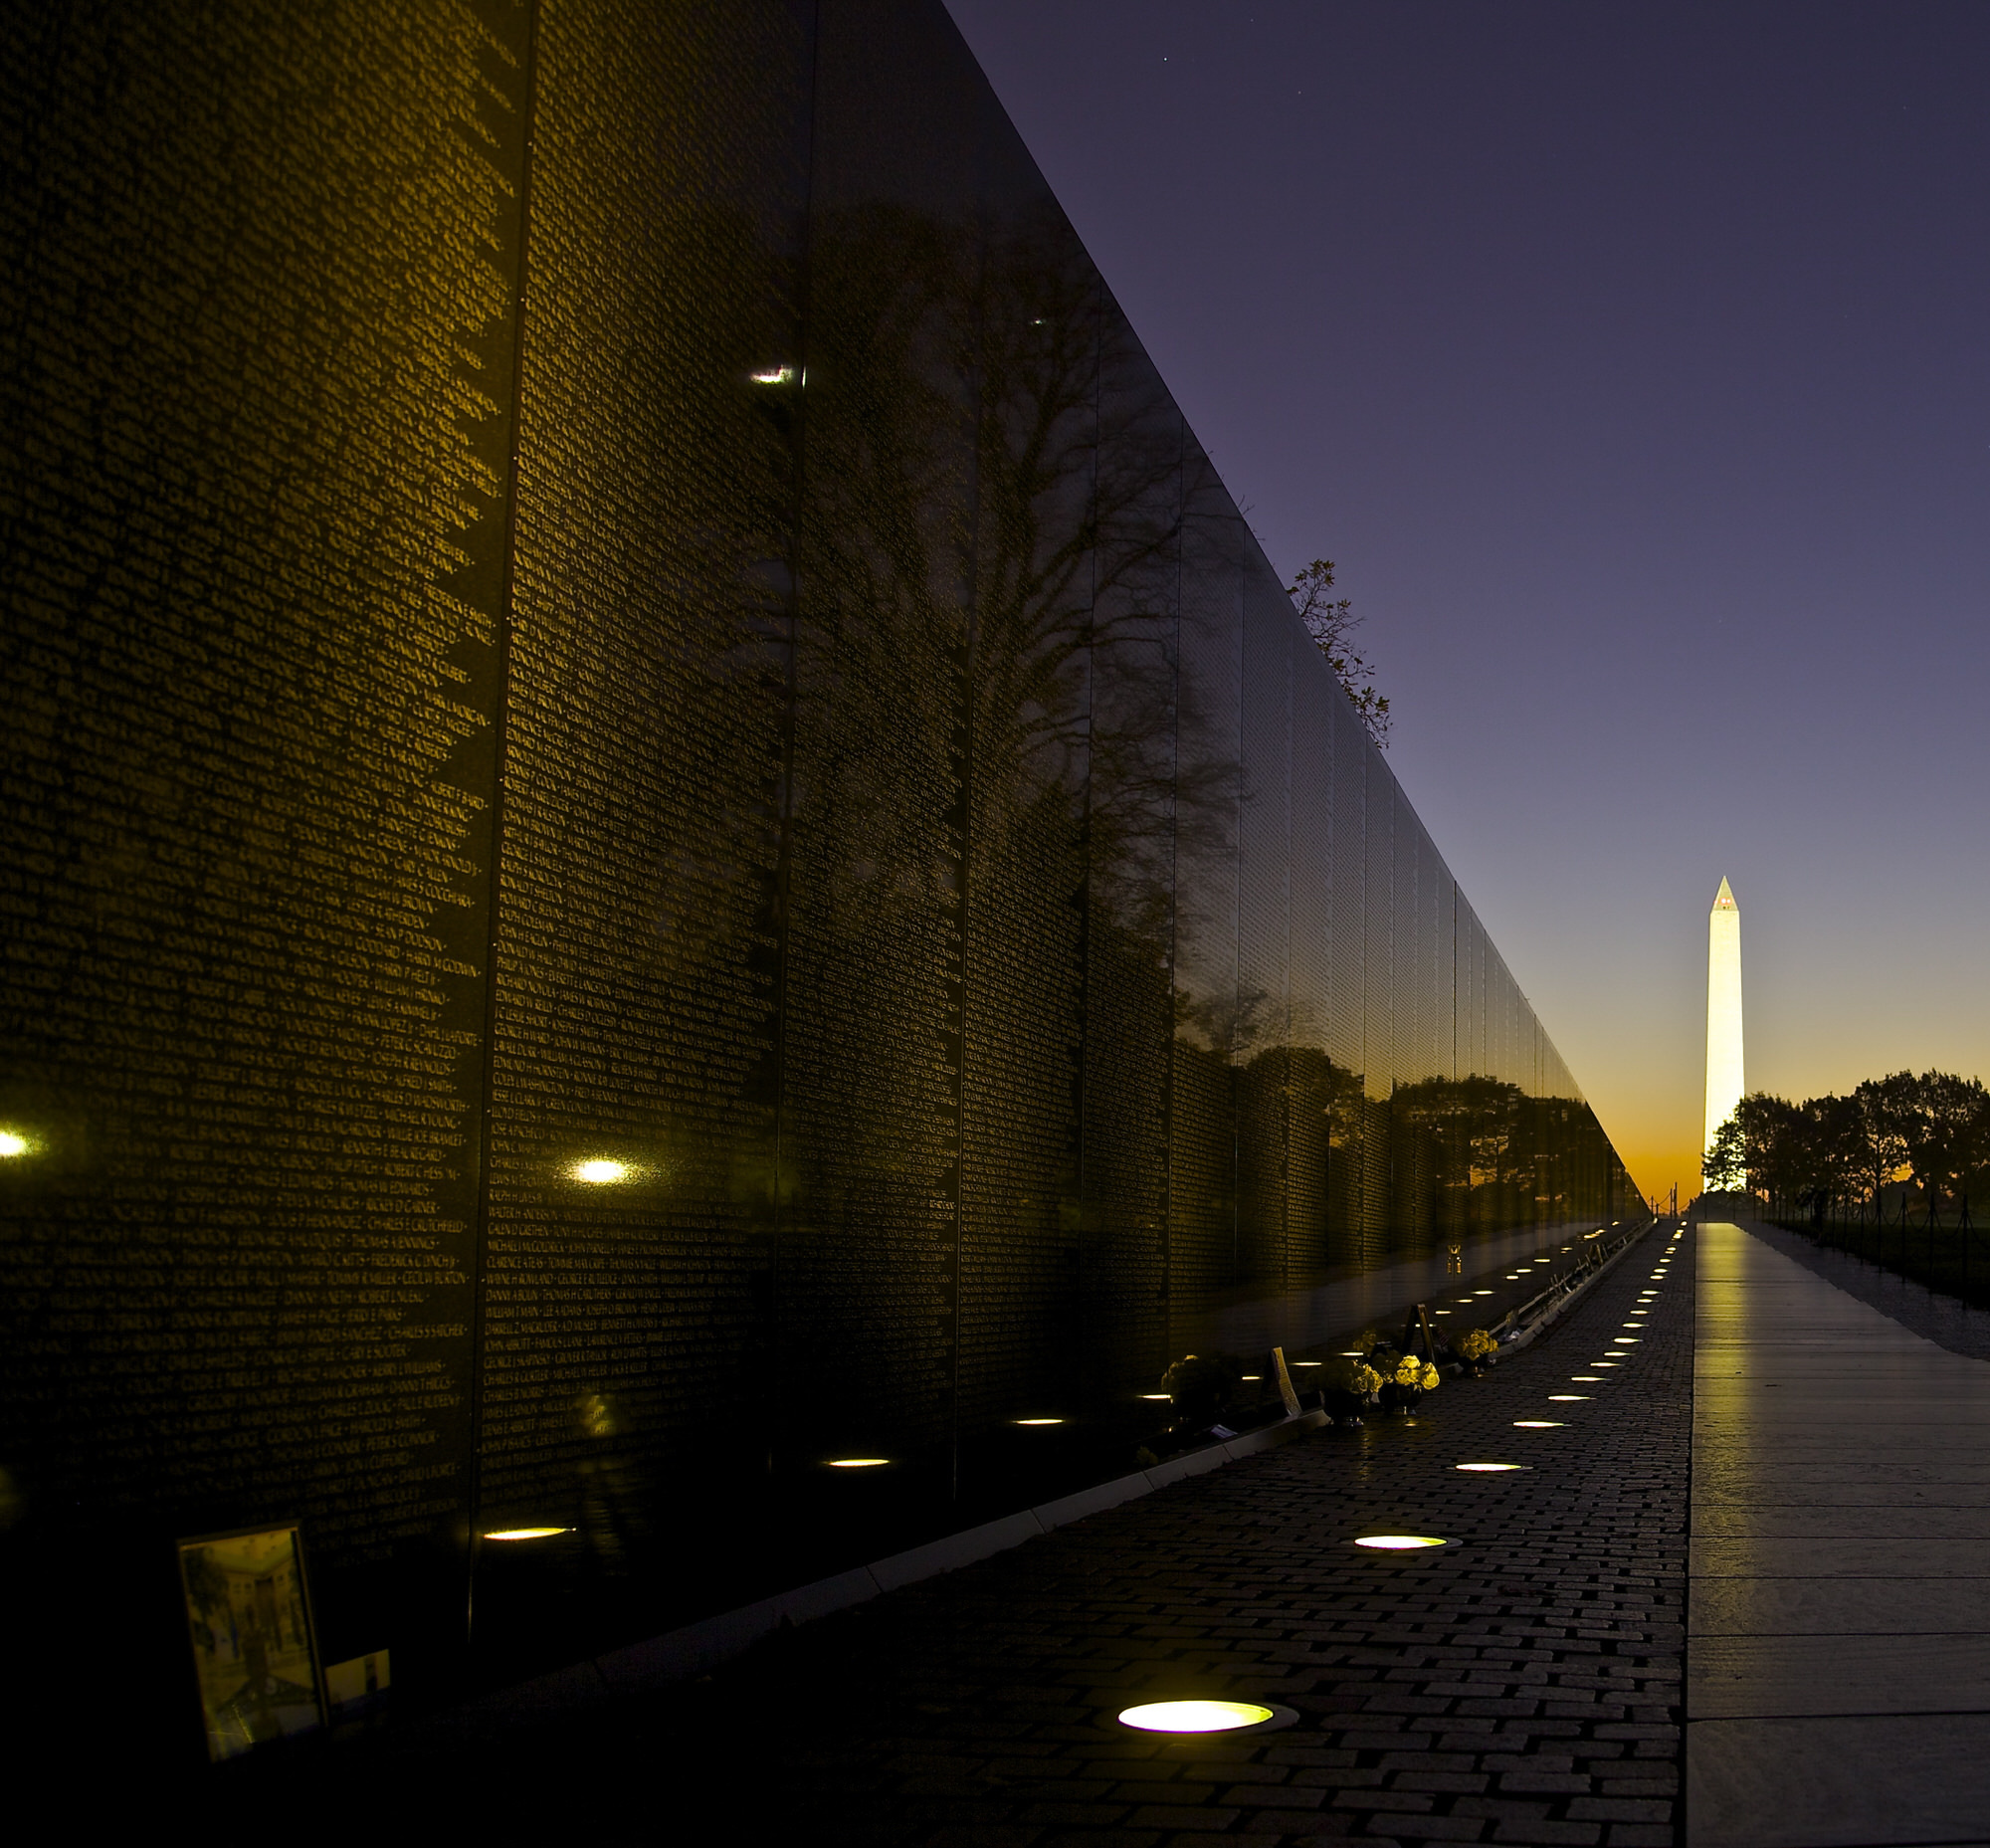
pixel 1586 1379
pixel 1537 1424
pixel 1491 1469
pixel 1569 1398
pixel 858 1462
pixel 1398 1542
pixel 1036 1421
pixel 1197 1715
pixel 1156 1395
pixel 525 1533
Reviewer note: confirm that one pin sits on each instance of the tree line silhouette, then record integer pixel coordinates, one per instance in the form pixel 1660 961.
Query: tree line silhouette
pixel 1926 1136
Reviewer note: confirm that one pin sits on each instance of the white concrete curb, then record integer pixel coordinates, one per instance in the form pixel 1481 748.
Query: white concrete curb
pixel 1548 1317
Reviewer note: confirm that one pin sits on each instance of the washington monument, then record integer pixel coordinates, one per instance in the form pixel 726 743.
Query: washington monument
pixel 1723 1011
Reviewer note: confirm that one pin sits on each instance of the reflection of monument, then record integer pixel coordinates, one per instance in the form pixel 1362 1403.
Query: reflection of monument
pixel 1723 1011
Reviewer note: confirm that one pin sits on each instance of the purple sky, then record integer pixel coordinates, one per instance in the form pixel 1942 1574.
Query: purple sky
pixel 1633 362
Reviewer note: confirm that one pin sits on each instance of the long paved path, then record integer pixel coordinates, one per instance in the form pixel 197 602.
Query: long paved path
pixel 1839 1656
pixel 1520 1685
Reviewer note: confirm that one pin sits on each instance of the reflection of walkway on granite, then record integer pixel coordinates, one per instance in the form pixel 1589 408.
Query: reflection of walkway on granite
pixel 1838 1664
pixel 1517 1686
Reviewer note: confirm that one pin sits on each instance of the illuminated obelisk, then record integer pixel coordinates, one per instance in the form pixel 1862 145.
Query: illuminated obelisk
pixel 1723 1011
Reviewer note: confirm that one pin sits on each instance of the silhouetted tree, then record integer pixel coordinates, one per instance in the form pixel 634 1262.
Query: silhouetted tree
pixel 1932 1131
pixel 1332 622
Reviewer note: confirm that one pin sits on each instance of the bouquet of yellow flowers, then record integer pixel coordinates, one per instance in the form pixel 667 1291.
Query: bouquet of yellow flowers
pixel 1408 1378
pixel 1474 1345
pixel 1347 1386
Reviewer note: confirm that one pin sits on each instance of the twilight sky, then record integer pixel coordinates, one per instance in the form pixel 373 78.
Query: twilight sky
pixel 1633 364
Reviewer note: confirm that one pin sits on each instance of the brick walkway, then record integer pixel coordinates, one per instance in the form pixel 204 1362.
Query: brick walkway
pixel 1521 1685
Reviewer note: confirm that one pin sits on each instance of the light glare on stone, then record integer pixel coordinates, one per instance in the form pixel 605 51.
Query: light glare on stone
pixel 525 1533
pixel 600 1172
pixel 12 1144
pixel 1194 1716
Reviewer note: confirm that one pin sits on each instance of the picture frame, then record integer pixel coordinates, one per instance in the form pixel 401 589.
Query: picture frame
pixel 255 1644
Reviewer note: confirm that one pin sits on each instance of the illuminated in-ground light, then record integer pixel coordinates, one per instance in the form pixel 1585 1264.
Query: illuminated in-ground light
pixel 1195 1715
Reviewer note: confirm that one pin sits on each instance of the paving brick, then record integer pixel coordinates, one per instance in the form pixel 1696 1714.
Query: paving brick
pixel 1521 1685
pixel 1451 1828
pixel 1184 1816
pixel 1620 1810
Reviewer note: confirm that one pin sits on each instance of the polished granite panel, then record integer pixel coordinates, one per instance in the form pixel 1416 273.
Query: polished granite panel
pixel 664 828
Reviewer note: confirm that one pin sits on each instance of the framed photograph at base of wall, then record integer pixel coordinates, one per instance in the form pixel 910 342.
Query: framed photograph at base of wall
pixel 254 1650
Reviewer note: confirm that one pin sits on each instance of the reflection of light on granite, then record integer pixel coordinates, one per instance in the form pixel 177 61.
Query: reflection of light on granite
pixel 600 1172
pixel 526 1534
pixel 12 1144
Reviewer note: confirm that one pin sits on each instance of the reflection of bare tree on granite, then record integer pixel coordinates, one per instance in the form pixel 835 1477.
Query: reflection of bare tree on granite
pixel 991 779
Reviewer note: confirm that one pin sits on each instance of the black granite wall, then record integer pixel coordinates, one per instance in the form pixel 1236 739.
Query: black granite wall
pixel 789 722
